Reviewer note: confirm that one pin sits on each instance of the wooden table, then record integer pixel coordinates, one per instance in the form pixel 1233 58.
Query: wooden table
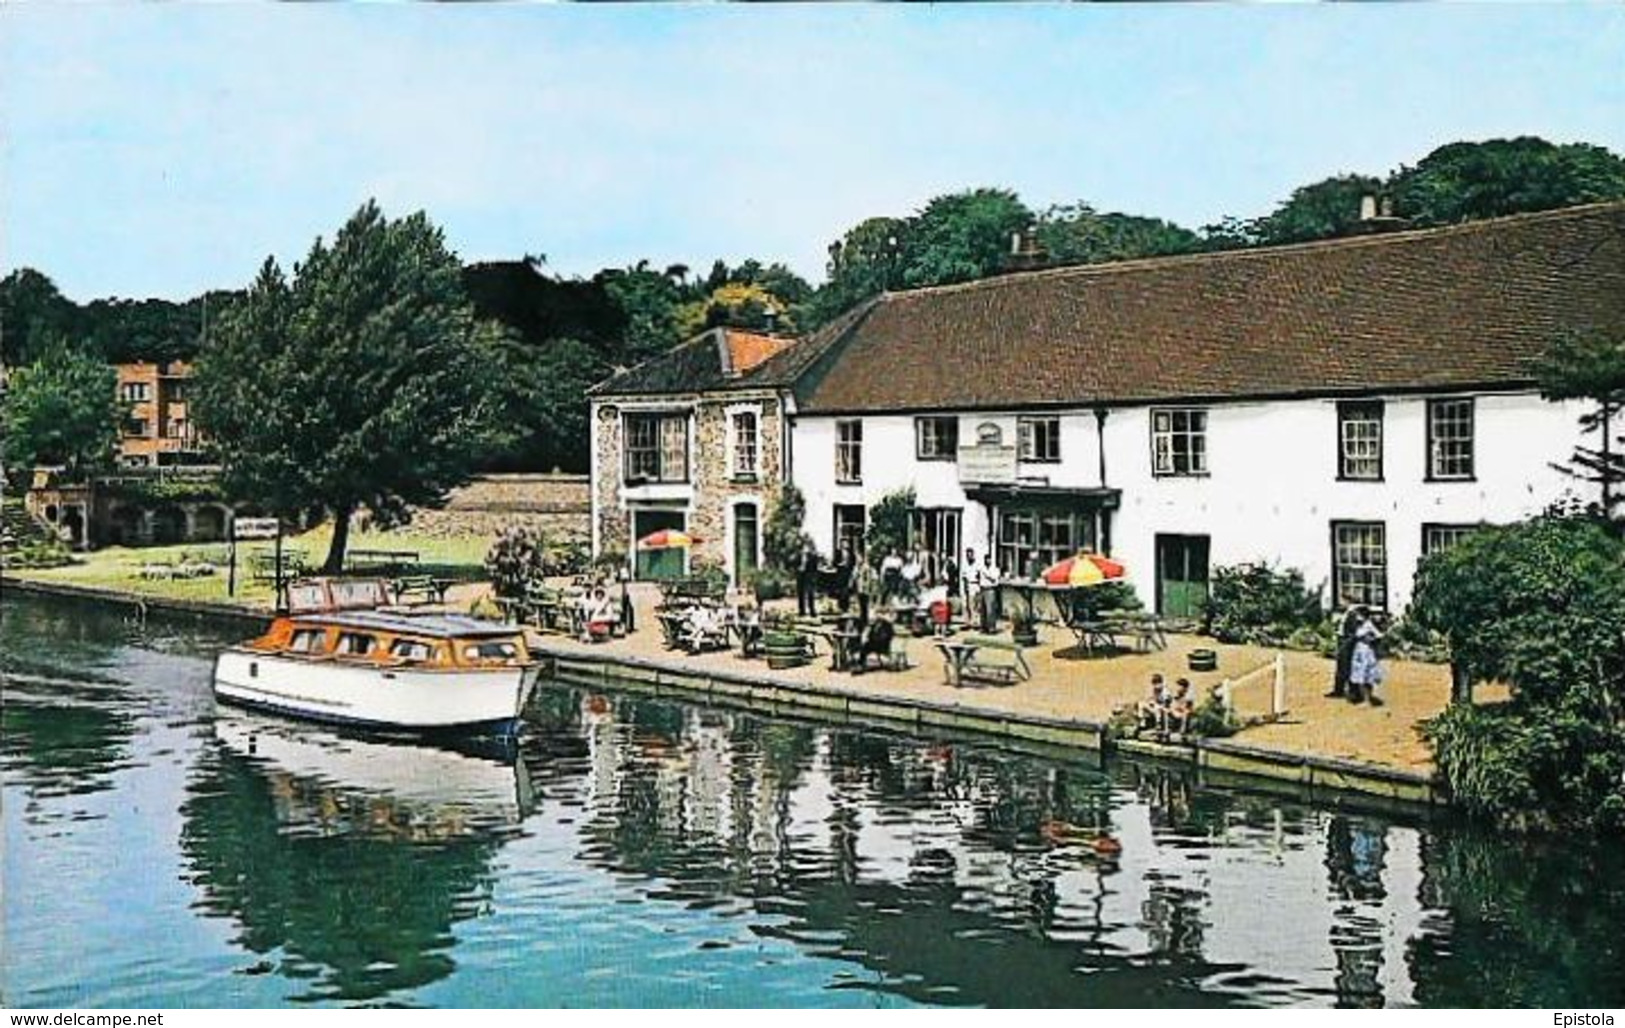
pixel 1095 635
pixel 956 655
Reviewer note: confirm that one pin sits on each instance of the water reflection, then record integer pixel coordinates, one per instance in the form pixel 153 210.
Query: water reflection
pixel 636 852
pixel 347 859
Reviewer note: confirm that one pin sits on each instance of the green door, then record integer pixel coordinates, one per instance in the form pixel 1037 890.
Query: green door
pixel 657 564
pixel 744 542
pixel 1181 575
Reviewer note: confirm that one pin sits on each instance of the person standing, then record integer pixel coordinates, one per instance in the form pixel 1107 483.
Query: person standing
pixel 891 575
pixel 950 574
pixel 1345 650
pixel 807 582
pixel 844 567
pixel 1365 670
pixel 988 597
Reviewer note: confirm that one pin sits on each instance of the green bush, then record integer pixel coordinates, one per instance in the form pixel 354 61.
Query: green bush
pixel 1256 603
pixel 709 570
pixel 570 557
pixel 770 584
pixel 783 541
pixel 1089 602
pixel 1212 719
pixel 1541 606
pixel 888 525
pixel 516 561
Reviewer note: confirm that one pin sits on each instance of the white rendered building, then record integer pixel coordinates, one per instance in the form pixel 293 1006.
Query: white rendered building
pixel 1339 407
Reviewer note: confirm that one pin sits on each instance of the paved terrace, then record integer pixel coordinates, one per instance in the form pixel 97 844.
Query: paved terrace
pixel 1069 685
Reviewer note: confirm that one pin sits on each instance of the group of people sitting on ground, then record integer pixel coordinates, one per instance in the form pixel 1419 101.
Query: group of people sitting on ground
pixel 1163 710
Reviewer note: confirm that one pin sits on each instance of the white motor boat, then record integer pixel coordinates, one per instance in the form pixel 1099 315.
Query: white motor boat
pixel 381 669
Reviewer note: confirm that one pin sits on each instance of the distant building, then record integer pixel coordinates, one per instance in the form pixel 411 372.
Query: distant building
pixel 157 430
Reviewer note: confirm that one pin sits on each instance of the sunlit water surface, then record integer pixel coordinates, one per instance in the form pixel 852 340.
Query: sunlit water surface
pixel 631 852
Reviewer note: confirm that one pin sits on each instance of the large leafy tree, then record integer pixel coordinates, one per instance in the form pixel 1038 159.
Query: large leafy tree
pixel 1592 367
pixel 61 409
pixel 365 381
pixel 1321 210
pixel 33 314
pixel 1541 607
pixel 862 263
pixel 961 236
pixel 1079 234
pixel 543 396
pixel 650 300
pixel 1497 177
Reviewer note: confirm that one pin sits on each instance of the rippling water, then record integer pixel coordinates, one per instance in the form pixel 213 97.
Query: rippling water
pixel 631 852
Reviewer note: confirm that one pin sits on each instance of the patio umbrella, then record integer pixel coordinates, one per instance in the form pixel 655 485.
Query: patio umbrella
pixel 1083 570
pixel 668 539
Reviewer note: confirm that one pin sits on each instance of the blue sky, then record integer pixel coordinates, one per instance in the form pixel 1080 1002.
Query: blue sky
pixel 160 150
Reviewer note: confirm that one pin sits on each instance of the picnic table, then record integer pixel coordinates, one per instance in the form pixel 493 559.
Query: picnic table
pixel 262 564
pixel 381 561
pixel 420 585
pixel 1101 633
pixel 843 644
pixel 960 661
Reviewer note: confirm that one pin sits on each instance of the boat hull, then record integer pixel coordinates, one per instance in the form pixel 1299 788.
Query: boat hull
pixel 482 700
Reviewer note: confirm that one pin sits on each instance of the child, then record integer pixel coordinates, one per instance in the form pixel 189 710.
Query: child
pixel 1156 702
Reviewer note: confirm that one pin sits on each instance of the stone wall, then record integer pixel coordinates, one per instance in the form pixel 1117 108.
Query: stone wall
pixel 712 489
pixel 557 504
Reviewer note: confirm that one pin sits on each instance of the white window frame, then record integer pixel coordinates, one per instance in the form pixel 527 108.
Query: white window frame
pixel 1357 446
pixel 744 463
pixel 1168 426
pixel 1027 438
pixel 1371 589
pixel 930 442
pixel 849 440
pixel 1445 412
pixel 662 439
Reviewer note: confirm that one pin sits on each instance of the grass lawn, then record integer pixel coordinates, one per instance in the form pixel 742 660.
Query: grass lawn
pixel 119 567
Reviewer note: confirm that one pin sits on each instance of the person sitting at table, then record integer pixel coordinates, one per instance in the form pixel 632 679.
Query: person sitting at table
pixel 703 628
pixel 1152 708
pixel 599 617
pixel 876 640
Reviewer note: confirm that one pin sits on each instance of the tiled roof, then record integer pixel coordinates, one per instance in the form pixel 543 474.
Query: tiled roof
pixel 717 359
pixel 1462 307
pixel 748 349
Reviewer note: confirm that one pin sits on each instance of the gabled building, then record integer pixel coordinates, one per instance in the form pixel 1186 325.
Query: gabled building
pixel 694 440
pixel 1341 407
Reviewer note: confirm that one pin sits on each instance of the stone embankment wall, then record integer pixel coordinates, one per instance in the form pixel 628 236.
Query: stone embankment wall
pixel 555 503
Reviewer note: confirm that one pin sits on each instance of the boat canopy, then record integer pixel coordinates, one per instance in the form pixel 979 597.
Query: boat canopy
pixel 433 626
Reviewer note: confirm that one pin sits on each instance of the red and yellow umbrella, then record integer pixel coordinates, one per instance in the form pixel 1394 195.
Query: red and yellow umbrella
pixel 1083 570
pixel 668 539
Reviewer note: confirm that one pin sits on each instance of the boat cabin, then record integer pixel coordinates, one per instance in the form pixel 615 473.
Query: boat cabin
pixel 442 641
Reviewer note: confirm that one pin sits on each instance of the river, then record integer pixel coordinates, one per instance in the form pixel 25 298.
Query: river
pixel 159 851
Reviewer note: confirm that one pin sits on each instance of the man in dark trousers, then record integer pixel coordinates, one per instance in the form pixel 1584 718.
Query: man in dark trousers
pixel 807 582
pixel 1345 650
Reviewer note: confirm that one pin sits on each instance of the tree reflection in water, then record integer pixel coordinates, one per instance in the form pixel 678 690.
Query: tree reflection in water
pixel 355 885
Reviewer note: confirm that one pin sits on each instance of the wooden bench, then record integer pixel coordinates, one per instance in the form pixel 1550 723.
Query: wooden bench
pixel 430 589
pixel 381 562
pixel 996 660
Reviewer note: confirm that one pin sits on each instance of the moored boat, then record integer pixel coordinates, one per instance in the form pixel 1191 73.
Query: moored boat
pixel 339 661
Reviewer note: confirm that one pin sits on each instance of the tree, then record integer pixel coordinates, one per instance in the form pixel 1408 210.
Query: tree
pixel 1321 210
pixel 1078 234
pixel 649 300
pixel 1541 606
pixel 542 397
pixel 962 236
pixel 62 409
pixel 1497 177
pixel 1591 367
pixel 783 540
pixel 366 381
pixel 862 263
pixel 736 305
pixel 888 525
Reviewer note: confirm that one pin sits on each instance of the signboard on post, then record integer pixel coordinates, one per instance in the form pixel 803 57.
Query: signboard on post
pixel 255 528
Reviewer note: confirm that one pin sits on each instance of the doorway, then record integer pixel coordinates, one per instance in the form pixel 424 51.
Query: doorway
pixel 1182 575
pixel 746 543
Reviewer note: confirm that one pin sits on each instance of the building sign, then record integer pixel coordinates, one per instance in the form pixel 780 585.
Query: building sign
pixel 254 528
pixel 988 461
